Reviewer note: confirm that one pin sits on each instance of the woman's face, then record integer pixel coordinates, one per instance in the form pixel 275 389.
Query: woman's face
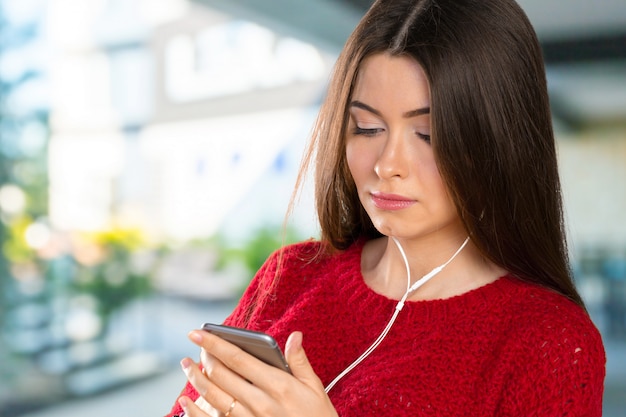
pixel 389 152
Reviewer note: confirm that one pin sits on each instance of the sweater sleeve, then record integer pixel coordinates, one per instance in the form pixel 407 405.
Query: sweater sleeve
pixel 559 370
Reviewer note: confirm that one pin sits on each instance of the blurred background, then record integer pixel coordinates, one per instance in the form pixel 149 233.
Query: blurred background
pixel 148 150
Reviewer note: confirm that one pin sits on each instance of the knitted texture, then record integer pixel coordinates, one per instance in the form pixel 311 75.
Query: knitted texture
pixel 508 348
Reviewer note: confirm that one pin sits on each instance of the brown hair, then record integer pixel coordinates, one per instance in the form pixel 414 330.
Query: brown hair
pixel 491 129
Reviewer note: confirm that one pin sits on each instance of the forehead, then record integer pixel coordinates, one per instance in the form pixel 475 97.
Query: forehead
pixel 387 78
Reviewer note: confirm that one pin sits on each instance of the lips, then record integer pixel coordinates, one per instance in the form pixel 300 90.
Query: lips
pixel 391 202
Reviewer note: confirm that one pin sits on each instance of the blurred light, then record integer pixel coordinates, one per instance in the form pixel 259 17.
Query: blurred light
pixel 12 199
pixel 83 325
pixel 87 252
pixel 82 322
pixel 37 235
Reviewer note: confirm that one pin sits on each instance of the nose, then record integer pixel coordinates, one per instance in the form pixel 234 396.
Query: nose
pixel 394 159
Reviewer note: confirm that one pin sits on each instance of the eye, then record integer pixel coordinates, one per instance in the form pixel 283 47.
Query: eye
pixel 425 138
pixel 366 132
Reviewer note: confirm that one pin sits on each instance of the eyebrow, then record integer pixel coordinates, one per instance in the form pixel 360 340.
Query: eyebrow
pixel 408 114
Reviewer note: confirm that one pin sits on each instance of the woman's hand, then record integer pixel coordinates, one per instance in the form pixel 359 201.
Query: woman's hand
pixel 239 385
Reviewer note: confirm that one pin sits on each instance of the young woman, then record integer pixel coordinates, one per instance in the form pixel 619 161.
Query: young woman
pixel 440 285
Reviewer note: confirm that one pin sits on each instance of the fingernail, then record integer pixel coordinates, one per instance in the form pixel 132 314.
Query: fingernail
pixel 294 341
pixel 195 336
pixel 185 364
pixel 183 402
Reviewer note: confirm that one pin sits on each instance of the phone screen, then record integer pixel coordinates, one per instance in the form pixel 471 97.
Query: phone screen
pixel 260 345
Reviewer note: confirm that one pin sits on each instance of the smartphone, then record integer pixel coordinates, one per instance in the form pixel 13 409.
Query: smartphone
pixel 260 345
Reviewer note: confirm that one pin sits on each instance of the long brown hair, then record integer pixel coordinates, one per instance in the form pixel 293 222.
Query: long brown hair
pixel 491 131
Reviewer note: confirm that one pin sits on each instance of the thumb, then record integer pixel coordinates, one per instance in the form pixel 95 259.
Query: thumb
pixel 299 363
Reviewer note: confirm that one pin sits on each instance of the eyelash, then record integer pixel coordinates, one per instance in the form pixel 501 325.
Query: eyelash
pixel 366 132
pixel 371 132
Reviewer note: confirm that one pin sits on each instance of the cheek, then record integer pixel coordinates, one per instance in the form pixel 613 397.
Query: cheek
pixel 444 195
pixel 430 175
pixel 425 161
pixel 437 185
pixel 355 161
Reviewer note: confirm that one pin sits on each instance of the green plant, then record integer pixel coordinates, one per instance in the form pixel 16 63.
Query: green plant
pixel 105 269
pixel 253 252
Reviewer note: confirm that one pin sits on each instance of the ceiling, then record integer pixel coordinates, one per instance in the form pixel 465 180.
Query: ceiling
pixel 584 43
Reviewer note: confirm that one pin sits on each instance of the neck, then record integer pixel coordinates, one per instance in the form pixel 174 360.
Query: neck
pixel 385 270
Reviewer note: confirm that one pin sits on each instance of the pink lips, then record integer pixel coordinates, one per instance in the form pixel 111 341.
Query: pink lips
pixel 391 201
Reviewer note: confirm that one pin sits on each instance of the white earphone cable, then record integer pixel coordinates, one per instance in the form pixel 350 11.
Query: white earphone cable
pixel 409 289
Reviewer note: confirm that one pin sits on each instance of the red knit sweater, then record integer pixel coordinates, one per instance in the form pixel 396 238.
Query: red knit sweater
pixel 508 348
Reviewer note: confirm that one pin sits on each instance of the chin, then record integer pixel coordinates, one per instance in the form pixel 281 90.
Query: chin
pixel 386 229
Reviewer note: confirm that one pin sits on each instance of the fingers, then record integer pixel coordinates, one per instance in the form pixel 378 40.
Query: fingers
pixel 227 370
pixel 199 409
pixel 228 366
pixel 231 408
pixel 206 407
pixel 259 389
pixel 212 399
pixel 193 409
pixel 299 363
pixel 256 385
